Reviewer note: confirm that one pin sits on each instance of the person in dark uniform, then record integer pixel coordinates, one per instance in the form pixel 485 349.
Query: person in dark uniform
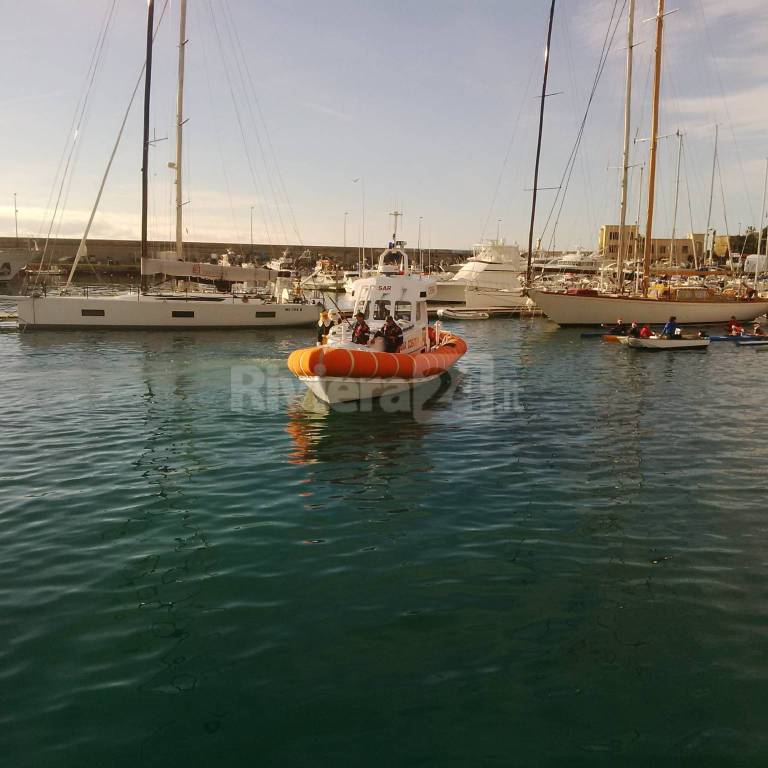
pixel 620 329
pixel 361 332
pixel 634 330
pixel 392 335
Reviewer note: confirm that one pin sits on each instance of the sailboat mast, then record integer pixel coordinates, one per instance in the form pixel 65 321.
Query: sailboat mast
pixel 538 144
pixel 762 212
pixel 145 147
pixel 180 124
pixel 673 259
pixel 654 143
pixel 711 195
pixel 636 247
pixel 625 154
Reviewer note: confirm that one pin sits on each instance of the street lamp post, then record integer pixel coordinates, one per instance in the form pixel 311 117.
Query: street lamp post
pixel 498 231
pixel 346 213
pixel 362 220
pixel 418 247
pixel 252 207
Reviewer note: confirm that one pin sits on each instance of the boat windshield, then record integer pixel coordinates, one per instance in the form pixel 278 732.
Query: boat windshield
pixel 382 309
pixel 393 259
pixel 402 310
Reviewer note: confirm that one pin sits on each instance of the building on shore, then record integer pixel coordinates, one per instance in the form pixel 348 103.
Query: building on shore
pixel 681 252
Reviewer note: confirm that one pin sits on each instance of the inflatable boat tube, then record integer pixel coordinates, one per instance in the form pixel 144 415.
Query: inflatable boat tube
pixel 365 363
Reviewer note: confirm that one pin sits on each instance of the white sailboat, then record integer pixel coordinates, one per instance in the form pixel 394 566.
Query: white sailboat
pixel 691 305
pixel 190 308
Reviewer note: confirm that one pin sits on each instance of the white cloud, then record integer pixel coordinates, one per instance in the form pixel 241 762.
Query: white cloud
pixel 748 110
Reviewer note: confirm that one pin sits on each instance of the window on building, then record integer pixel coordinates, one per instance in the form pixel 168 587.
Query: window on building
pixel 613 236
pixel 685 249
pixel 662 249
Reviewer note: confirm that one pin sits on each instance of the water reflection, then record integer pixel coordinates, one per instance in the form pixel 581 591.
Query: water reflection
pixel 374 436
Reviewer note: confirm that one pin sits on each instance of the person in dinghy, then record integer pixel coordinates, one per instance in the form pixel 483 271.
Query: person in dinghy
pixel 671 329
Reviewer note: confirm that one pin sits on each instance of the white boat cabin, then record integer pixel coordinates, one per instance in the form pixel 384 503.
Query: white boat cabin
pixel 393 290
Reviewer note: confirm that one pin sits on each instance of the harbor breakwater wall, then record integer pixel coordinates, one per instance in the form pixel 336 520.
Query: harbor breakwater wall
pixel 122 256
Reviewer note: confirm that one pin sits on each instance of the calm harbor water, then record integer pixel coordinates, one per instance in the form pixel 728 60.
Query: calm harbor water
pixel 560 560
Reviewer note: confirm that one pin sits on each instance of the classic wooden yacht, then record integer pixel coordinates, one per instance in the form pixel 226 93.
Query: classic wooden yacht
pixel 343 371
pixel 691 304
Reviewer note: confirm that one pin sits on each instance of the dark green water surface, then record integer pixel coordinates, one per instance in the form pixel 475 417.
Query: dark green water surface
pixel 561 561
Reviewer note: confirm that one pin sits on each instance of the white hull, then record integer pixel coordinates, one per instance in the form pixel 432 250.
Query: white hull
pixel 487 298
pixel 462 314
pixel 568 309
pixel 333 390
pixel 154 312
pixel 449 292
pixel 659 343
pixel 480 274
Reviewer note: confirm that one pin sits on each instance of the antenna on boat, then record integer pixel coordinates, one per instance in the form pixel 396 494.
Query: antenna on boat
pixel 625 154
pixel 145 147
pixel 538 144
pixel 653 145
pixel 397 214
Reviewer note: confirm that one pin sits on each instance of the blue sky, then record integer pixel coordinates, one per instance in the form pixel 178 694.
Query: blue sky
pixel 421 100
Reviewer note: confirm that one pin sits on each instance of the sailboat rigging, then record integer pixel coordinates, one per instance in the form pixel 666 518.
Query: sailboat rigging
pixel 625 152
pixel 528 273
pixel 652 304
pixel 168 309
